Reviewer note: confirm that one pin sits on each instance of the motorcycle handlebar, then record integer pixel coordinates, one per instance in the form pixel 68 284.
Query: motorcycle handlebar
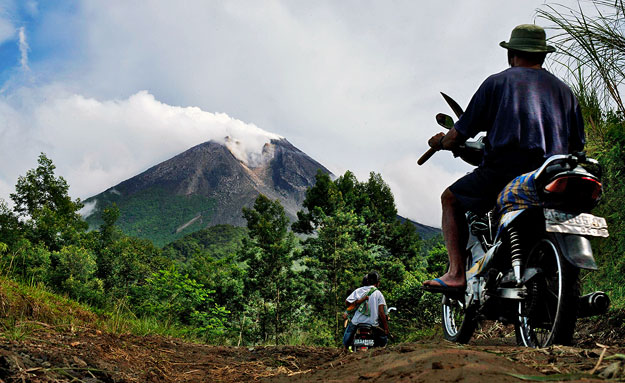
pixel 471 152
pixel 426 156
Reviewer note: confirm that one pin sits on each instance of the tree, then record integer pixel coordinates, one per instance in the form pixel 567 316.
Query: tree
pixel 9 225
pixel 321 200
pixel 223 275
pixel 25 261
pixel 357 230
pixel 108 231
pixel 268 253
pixel 175 298
pixel 125 264
pixel 405 244
pixel 48 213
pixel 380 203
pixel 371 200
pixel 74 274
pixel 335 264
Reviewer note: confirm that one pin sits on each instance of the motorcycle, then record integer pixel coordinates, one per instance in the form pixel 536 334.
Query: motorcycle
pixel 364 337
pixel 523 266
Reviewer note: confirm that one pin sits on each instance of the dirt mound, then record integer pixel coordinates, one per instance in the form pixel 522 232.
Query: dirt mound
pixel 79 354
pixel 85 354
pixel 418 363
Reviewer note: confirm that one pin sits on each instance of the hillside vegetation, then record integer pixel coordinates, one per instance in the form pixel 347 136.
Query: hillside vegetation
pixel 225 284
pixel 156 214
pixel 259 285
pixel 219 241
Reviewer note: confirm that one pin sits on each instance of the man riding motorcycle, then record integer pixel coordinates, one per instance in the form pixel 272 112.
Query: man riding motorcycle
pixel 528 115
pixel 371 310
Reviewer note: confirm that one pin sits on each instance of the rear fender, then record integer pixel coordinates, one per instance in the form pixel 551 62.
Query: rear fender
pixel 576 249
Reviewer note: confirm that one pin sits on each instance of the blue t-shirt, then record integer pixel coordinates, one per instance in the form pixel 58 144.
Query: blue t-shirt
pixel 528 115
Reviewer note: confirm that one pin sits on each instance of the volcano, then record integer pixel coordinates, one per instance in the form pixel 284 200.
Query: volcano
pixel 205 186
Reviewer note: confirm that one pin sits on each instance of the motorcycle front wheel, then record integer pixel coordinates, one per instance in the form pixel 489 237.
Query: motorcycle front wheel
pixel 549 312
pixel 459 323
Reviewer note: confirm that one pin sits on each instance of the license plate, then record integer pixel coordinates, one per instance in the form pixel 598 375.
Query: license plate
pixel 363 342
pixel 582 224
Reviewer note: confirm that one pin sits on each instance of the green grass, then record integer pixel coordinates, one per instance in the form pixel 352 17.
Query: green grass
pixel 26 308
pixel 120 320
pixel 36 303
pixel 608 278
pixel 14 329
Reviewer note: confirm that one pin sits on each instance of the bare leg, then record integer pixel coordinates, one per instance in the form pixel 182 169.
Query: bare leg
pixel 455 233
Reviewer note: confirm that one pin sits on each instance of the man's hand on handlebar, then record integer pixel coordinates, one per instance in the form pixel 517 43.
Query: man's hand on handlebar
pixel 436 142
pixel 442 141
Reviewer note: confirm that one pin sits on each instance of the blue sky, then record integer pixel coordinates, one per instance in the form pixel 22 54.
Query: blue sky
pixel 110 88
pixel 52 37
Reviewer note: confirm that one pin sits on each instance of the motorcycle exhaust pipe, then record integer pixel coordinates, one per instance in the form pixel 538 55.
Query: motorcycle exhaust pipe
pixel 593 304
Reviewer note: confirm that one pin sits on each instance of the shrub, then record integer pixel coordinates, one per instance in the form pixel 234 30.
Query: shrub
pixel 74 274
pixel 26 261
pixel 175 298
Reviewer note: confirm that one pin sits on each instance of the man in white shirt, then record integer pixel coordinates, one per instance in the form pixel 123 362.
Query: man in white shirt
pixel 371 310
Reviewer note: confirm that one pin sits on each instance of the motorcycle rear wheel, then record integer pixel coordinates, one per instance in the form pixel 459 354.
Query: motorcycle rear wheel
pixel 549 313
pixel 459 323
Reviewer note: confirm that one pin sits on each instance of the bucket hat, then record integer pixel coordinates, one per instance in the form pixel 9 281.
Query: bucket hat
pixel 528 38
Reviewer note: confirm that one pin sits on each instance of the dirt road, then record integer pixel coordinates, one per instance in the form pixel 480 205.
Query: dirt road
pixel 51 354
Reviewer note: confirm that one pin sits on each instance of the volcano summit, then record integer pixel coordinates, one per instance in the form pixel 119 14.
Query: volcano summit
pixel 207 185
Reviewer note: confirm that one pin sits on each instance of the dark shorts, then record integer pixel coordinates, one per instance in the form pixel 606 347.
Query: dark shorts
pixel 477 191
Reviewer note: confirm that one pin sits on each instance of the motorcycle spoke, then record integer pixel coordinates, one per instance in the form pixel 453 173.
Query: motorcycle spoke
pixel 538 314
pixel 458 324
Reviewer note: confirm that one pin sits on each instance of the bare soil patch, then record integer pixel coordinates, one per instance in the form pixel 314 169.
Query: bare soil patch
pixel 58 354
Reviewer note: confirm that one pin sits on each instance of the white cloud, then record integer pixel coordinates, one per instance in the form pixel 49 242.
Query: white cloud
pixel 96 144
pixel 23 45
pixel 417 189
pixel 340 80
pixel 88 209
pixel 354 85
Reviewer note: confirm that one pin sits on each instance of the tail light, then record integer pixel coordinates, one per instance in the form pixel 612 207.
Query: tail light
pixel 579 186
